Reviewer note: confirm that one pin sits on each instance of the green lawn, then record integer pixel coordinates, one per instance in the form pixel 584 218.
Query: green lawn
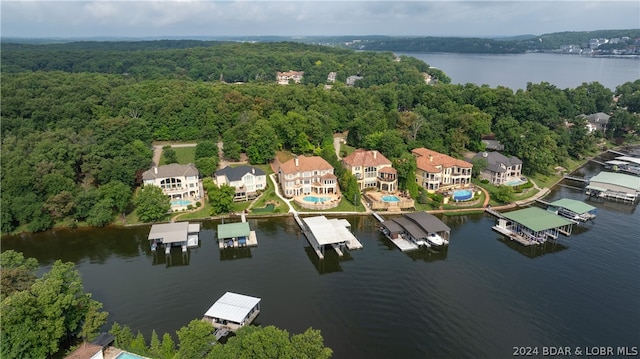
pixel 346 149
pixel 184 154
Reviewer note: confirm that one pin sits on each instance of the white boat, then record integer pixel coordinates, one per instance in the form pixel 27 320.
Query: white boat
pixel 422 243
pixel 435 239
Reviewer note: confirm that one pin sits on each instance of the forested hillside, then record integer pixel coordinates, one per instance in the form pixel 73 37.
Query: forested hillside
pixel 77 130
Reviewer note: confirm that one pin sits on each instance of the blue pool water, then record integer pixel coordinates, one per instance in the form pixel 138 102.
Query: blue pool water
pixel 180 202
pixel 462 195
pixel 315 199
pixel 126 355
pixel 514 182
pixel 390 198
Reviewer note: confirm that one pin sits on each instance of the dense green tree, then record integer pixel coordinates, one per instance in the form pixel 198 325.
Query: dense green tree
pixel 389 143
pixel 220 199
pixel 119 193
pixel 84 202
pixel 406 167
pixel 207 165
pixel 60 205
pixel 350 188
pixel 138 345
pixel 101 214
pixel 16 272
pixel 231 147
pixel 206 148
pixel 168 348
pixel 195 340
pixel 155 346
pixel 169 155
pixel 122 334
pixel 152 204
pixel 262 143
pixel 479 165
pixel 310 345
pixel 93 320
pixel 503 194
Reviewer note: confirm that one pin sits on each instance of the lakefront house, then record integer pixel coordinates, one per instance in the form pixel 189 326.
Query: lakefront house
pixel 499 168
pixel 176 181
pixel 436 171
pixel 307 175
pixel 372 169
pixel 246 180
pixel 283 78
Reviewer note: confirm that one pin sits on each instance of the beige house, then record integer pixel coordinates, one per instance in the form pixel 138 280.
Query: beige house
pixel 372 169
pixel 438 171
pixel 177 181
pixel 283 77
pixel 307 175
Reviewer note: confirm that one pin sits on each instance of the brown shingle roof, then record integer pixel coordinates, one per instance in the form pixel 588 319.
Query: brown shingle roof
pixel 172 170
pixel 364 158
pixel 428 160
pixel 305 164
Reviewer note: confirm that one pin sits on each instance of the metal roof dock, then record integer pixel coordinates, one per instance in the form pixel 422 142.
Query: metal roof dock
pixel 233 311
pixel 610 185
pixel 321 231
pixel 532 225
pixel 573 209
pixel 181 234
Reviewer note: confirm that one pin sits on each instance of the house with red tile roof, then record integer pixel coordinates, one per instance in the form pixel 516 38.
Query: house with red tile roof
pixel 307 175
pixel 437 171
pixel 372 169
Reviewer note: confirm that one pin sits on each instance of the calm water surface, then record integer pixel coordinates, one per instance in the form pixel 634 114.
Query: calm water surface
pixel 514 71
pixel 478 299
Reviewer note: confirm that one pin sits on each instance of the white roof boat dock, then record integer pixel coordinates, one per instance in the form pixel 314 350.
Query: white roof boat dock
pixel 616 186
pixel 532 225
pixel 179 234
pixel 233 311
pixel 412 230
pixel 572 209
pixel 321 232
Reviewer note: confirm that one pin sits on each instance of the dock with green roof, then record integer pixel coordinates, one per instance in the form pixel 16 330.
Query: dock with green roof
pixel 573 209
pixel 531 226
pixel 233 235
pixel 614 186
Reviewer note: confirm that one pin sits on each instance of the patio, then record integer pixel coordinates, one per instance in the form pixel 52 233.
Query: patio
pixel 389 201
pixel 318 201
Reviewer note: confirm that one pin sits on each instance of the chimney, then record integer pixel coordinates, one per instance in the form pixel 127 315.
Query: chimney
pixel 155 169
pixel 297 161
pixel 430 158
pixel 375 153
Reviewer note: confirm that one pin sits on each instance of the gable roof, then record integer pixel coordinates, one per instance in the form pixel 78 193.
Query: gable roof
pixel 305 164
pixel 618 179
pixel 537 219
pixel 366 158
pixel 428 160
pixel 233 307
pixel 495 159
pixel 597 117
pixel 172 170
pixel 236 173
pixel 169 232
pixel 573 205
pixel 233 230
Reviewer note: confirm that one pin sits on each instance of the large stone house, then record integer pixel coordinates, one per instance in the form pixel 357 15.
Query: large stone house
pixel 372 169
pixel 437 171
pixel 307 175
pixel 177 181
pixel 246 180
pixel 283 77
pixel 500 169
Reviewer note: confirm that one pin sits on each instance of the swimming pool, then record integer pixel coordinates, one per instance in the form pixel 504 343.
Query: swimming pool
pixel 462 195
pixel 515 182
pixel 127 355
pixel 315 199
pixel 390 198
pixel 180 202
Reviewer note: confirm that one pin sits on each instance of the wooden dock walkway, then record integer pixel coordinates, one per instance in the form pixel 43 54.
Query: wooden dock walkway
pixel 573 178
pixel 493 212
pixel 378 217
pixel 617 152
pixel 309 235
pixel 514 236
pixel 221 332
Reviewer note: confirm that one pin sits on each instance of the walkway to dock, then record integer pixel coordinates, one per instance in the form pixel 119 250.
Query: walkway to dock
pixel 514 236
pixel 573 178
pixel 305 230
pixel 617 152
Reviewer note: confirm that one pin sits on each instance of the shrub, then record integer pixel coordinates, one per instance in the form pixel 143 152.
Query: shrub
pixel 190 207
pixel 198 204
pixel 484 181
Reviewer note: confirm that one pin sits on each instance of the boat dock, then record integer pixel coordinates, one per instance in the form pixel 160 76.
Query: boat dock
pixel 493 212
pixel 574 178
pixel 232 312
pixel 532 225
pixel 180 234
pixel 575 211
pixel 514 236
pixel 403 244
pixel 321 232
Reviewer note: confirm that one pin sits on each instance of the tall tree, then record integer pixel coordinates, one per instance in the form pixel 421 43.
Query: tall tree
pixel 195 340
pixel 206 148
pixel 220 199
pixel 152 204
pixel 262 142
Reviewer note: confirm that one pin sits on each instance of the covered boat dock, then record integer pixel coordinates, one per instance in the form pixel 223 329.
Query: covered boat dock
pixel 233 235
pixel 615 186
pixel 413 230
pixel 572 209
pixel 334 232
pixel 532 225
pixel 233 311
pixel 180 234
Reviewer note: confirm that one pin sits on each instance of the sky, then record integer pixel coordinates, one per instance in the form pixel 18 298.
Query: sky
pixel 186 18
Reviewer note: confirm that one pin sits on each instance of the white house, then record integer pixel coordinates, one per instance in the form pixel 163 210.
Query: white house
pixel 306 175
pixel 246 180
pixel 177 181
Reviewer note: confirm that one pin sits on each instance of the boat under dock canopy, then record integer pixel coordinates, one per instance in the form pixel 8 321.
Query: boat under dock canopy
pixel 532 225
pixel 573 209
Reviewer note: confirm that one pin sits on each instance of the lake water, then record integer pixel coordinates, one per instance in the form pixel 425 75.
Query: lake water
pixel 514 71
pixel 478 299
